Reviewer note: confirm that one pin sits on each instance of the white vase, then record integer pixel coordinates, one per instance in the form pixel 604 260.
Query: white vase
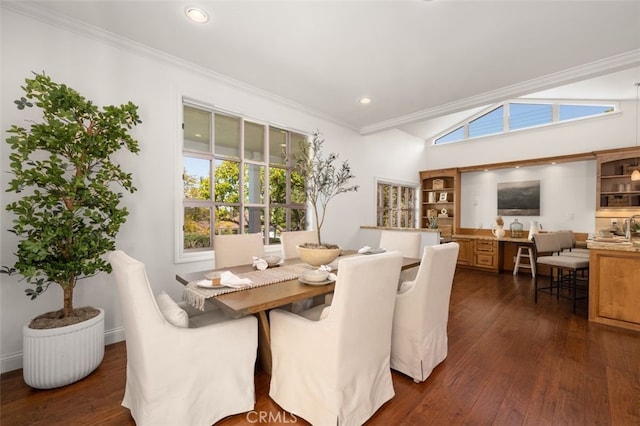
pixel 57 357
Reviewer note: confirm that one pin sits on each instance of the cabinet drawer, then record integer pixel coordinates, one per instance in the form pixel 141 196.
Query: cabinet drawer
pixel 485 246
pixel 485 259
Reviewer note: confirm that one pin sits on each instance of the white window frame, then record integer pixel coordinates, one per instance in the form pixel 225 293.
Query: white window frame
pixel 394 182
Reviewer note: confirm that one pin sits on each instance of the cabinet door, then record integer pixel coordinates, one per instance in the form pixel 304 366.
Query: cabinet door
pixel 465 254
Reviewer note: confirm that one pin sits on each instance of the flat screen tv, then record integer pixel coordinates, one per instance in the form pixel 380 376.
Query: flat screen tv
pixel 519 198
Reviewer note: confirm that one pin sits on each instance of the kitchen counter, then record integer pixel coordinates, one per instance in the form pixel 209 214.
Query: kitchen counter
pixel 614 284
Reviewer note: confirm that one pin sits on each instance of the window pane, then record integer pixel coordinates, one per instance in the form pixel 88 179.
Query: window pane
pixel 253 141
pixel 277 146
pixel 298 219
pixel 297 143
pixel 197 227
pixel 278 218
pixel 277 185
pixel 487 124
pixel 254 220
pixel 227 185
pixel 254 184
pixel 227 220
pixel 197 129
pixel 568 112
pixel 298 195
pixel 227 136
pixel 456 135
pixel 529 115
pixel 196 179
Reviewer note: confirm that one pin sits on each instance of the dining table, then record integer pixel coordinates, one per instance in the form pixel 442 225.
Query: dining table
pixel 258 300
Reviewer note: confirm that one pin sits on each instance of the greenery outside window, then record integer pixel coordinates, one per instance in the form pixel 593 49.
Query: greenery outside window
pixel 237 178
pixel 395 205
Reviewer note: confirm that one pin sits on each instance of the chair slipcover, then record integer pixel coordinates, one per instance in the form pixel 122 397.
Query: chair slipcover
pixel 181 376
pixel 407 243
pixel 292 239
pixel 419 339
pixel 336 370
pixel 237 249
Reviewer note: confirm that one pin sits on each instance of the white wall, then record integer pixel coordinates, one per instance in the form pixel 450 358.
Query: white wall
pixel 109 73
pixel 567 190
pixel 567 196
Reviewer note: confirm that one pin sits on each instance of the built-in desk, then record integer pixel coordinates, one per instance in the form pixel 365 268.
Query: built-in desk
pixel 488 253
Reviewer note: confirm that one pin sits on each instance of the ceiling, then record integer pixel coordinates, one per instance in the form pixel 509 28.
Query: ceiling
pixel 416 59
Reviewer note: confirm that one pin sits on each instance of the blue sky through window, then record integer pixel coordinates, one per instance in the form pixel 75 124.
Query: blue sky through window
pixel 489 123
pixel 529 115
pixel 568 112
pixel 456 135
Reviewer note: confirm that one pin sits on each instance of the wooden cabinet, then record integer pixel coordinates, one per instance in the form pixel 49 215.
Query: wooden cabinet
pixel 465 252
pixel 485 254
pixel 479 253
pixel 440 190
pixel 614 187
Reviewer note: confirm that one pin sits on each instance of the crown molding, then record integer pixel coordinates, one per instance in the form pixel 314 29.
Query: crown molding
pixel 91 32
pixel 571 75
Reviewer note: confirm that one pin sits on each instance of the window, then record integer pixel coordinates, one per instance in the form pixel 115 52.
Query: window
pixel 396 205
pixel 237 178
pixel 517 115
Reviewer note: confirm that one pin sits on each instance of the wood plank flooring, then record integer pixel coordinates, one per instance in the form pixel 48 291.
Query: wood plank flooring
pixel 510 362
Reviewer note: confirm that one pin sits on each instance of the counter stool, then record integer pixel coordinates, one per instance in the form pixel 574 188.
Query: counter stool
pixel 530 263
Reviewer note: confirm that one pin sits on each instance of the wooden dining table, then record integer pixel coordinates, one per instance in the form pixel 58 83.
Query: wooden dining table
pixel 259 300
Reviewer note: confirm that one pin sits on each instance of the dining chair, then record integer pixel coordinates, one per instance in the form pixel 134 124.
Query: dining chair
pixel 567 241
pixel 291 239
pixel 178 372
pixel 333 367
pixel 563 270
pixel 407 243
pixel 237 249
pixel 419 339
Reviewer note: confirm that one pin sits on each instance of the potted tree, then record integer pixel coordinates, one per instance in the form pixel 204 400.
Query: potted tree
pixel 66 219
pixel 324 179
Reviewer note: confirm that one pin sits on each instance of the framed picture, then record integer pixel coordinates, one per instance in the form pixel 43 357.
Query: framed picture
pixel 443 196
pixel 519 198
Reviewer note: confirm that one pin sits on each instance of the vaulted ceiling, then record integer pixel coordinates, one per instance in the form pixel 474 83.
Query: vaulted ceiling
pixel 416 59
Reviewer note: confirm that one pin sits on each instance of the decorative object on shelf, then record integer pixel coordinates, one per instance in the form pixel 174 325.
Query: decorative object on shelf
pixel 66 217
pixel 323 180
pixel 431 197
pixel 432 213
pixel 534 228
pixel 433 222
pixel 516 229
pixel 438 184
pixel 635 175
pixel 443 213
pixel 443 197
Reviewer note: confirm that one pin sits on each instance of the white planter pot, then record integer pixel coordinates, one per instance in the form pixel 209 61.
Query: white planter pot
pixel 59 356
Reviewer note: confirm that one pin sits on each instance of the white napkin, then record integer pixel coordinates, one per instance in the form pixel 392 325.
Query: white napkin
pixel 328 268
pixel 229 279
pixel 364 249
pixel 260 263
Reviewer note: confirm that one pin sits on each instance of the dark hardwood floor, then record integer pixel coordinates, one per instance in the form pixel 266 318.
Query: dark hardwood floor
pixel 510 362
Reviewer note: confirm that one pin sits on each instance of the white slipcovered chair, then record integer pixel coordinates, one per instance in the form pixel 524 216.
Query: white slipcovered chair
pixel 178 375
pixel 335 370
pixel 407 243
pixel 237 249
pixel 419 340
pixel 291 239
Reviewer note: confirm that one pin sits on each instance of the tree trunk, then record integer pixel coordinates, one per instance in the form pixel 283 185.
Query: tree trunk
pixel 68 299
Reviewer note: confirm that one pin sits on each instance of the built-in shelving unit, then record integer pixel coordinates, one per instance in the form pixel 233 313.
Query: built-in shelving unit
pixel 440 190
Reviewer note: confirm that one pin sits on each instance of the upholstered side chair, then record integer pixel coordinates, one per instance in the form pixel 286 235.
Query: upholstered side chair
pixel 237 249
pixel 407 243
pixel 291 239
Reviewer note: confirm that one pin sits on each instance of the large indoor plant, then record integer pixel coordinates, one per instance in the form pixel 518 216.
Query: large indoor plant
pixel 324 179
pixel 68 213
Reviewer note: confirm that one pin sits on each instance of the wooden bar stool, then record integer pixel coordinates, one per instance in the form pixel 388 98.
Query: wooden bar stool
pixel 525 252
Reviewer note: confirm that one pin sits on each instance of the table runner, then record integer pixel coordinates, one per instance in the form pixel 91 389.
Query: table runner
pixel 196 296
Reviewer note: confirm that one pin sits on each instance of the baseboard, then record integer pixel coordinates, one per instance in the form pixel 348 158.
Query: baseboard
pixel 13 361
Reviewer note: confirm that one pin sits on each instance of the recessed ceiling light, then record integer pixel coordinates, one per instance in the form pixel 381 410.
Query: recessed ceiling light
pixel 365 100
pixel 196 14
